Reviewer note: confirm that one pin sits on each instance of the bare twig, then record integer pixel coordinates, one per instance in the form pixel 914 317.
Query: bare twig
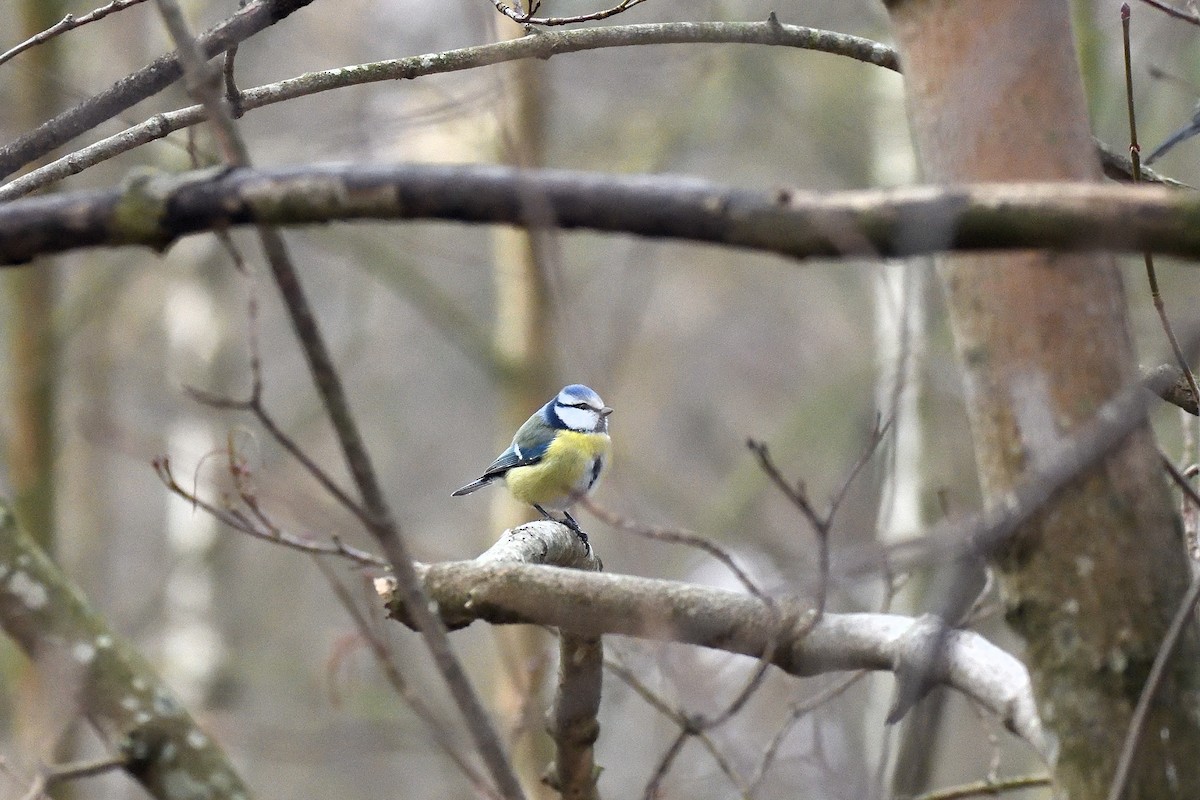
pixel 987 788
pixel 544 45
pixel 1172 11
pixel 681 719
pixel 822 524
pixel 68 23
pixel 696 723
pixel 518 15
pixel 150 80
pixel 675 536
pixel 383 526
pixel 1147 257
pixel 255 405
pixel 654 785
pixel 799 709
pixel 259 525
pixel 385 659
pixel 1179 623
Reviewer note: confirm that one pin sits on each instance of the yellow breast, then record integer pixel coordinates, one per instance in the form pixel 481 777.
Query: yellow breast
pixel 566 473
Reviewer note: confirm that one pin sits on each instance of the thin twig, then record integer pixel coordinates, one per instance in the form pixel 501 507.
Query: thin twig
pixel 1135 157
pixel 799 709
pixel 675 536
pixel 1171 11
pixel 386 660
pixel 989 788
pixel 68 23
pixel 518 15
pixel 798 496
pixel 544 45
pixel 1179 623
pixel 144 83
pixel 255 405
pixel 265 529
pixel 677 716
pixel 329 385
pixel 654 785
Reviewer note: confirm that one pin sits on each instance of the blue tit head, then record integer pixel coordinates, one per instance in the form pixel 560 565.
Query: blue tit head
pixel 577 408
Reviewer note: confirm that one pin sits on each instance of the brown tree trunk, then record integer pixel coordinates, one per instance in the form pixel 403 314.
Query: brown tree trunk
pixel 995 95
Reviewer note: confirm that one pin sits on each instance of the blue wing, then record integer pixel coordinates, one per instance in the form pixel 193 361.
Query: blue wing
pixel 528 447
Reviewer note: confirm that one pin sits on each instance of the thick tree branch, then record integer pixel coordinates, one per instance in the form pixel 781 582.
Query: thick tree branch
pixel 112 684
pixel 154 210
pixel 146 82
pixel 594 604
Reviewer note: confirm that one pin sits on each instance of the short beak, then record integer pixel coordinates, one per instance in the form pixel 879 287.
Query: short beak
pixel 604 412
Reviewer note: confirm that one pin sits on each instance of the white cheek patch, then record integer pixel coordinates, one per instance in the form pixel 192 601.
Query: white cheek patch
pixel 578 419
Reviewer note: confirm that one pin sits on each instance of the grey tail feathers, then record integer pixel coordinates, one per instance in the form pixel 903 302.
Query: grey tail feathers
pixel 472 486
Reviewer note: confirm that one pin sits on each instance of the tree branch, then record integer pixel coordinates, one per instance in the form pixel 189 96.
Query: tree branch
pixel 115 687
pixel 573 723
pixel 591 605
pixel 382 525
pixel 68 23
pixel 146 82
pixel 542 45
pixel 155 209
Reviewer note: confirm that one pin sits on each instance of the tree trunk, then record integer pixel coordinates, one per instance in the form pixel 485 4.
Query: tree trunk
pixel 995 95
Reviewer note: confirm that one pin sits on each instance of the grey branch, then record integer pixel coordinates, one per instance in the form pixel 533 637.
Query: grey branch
pixel 594 604
pixel 542 45
pixel 155 210
pixel 112 684
pixel 146 82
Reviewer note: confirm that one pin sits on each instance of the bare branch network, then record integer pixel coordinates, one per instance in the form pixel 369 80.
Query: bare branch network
pixel 154 210
pixel 542 45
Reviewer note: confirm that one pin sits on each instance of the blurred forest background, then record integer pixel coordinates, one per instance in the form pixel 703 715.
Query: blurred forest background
pixel 696 348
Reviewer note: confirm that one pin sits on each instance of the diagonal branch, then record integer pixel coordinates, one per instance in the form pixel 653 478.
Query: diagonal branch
pixel 68 23
pixel 146 82
pixel 382 526
pixel 115 687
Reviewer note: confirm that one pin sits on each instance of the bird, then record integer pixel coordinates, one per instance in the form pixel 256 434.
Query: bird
pixel 557 457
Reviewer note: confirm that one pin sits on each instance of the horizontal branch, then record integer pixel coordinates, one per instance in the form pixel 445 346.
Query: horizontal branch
pixel 592 604
pixel 156 209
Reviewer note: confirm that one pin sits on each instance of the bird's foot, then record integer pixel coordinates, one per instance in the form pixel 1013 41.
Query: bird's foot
pixel 573 525
pixel 570 522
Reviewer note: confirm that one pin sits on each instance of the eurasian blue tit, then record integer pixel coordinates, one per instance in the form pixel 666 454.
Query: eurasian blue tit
pixel 557 456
